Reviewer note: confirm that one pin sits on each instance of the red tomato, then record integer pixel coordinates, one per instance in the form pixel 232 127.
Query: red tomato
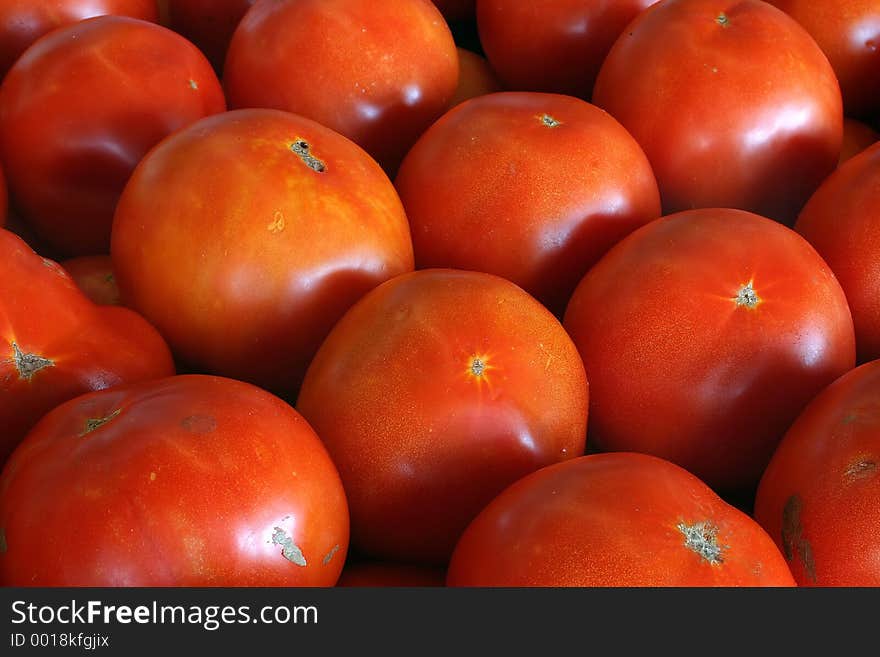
pixel 78 111
pixel 842 221
pixel 378 72
pixel 434 392
pixel 820 496
pixel 554 45
pixel 619 519
pixel 848 31
pixel 384 574
pixel 456 10
pixel 532 187
pixel 24 21
pixel 734 103
pixel 244 237
pixel 208 23
pixel 704 334
pixel 56 344
pixel 475 77
pixel 184 481
pixel 94 276
pixel 857 137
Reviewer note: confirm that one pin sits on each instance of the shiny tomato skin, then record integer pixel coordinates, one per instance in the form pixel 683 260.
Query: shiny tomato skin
pixel 848 31
pixel 434 392
pixel 857 137
pixel 378 72
pixel 529 186
pixel 208 23
pixel 94 276
pixel 704 334
pixel 78 111
pixel 734 103
pixel 57 344
pixel 184 481
pixel 381 574
pixel 475 77
pixel 24 21
pixel 246 277
pixel 820 496
pixel 608 520
pixel 842 222
pixel 554 46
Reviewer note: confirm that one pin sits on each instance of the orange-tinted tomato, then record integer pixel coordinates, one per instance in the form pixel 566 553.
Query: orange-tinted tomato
pixel 475 77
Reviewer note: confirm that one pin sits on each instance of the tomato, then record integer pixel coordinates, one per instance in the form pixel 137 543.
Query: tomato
pixel 704 334
pixel 456 10
pixel 275 224
pixel 57 344
pixel 434 392
pixel 78 111
pixel 378 72
pixel 621 519
pixel 24 21
pixel 475 77
pixel 94 276
pixel 857 137
pixel 848 31
pixel 820 496
pixel 184 481
pixel 529 186
pixel 555 45
pixel 384 574
pixel 734 103
pixel 841 222
pixel 208 23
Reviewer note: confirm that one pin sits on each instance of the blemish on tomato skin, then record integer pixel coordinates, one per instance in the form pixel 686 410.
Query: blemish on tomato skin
pixel 28 364
pixel 199 424
pixel 330 554
pixel 702 538
pixel 862 469
pixel 794 544
pixel 549 121
pixel 723 20
pixel 289 550
pixel 93 424
pixel 304 150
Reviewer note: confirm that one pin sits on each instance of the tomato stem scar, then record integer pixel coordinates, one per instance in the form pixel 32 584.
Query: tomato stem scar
pixel 93 424
pixel 702 538
pixel 28 364
pixel 301 147
pixel 747 296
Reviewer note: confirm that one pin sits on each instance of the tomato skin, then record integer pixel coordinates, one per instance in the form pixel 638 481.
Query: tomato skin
pixel 820 496
pixel 22 22
pixel 848 31
pixel 841 222
pixel 184 481
pixel 385 574
pixel 704 334
pixel 475 77
pixel 208 23
pixel 734 103
pixel 44 314
pixel 94 276
pixel 379 73
pixel 555 46
pixel 4 198
pixel 81 107
pixel 492 187
pixel 273 251
pixel 423 440
pixel 621 519
pixel 857 137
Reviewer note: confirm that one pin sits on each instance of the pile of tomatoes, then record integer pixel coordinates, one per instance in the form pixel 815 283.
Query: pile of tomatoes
pixel 465 293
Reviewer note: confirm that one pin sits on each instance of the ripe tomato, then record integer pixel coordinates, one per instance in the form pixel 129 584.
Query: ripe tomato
pixel 475 77
pixel 848 31
pixel 78 111
pixel 245 236
pixel 384 574
pixel 857 137
pixel 841 222
pixel 94 276
pixel 56 344
pixel 529 186
pixel 555 45
pixel 208 23
pixel 734 103
pixel 434 392
pixel 185 481
pixel 378 72
pixel 704 334
pixel 456 10
pixel 820 496
pixel 620 519
pixel 24 21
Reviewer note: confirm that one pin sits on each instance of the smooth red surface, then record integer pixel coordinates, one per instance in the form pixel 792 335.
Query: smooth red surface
pixel 81 108
pixel 733 101
pixel 24 21
pixel 208 23
pixel 475 77
pixel 384 574
pixel 186 481
pixel 820 496
pixel 422 440
pixel 620 519
pixel 682 366
pixel 82 347
pixel 842 221
pixel 554 46
pixel 94 276
pixel 529 186
pixel 271 252
pixel 378 72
